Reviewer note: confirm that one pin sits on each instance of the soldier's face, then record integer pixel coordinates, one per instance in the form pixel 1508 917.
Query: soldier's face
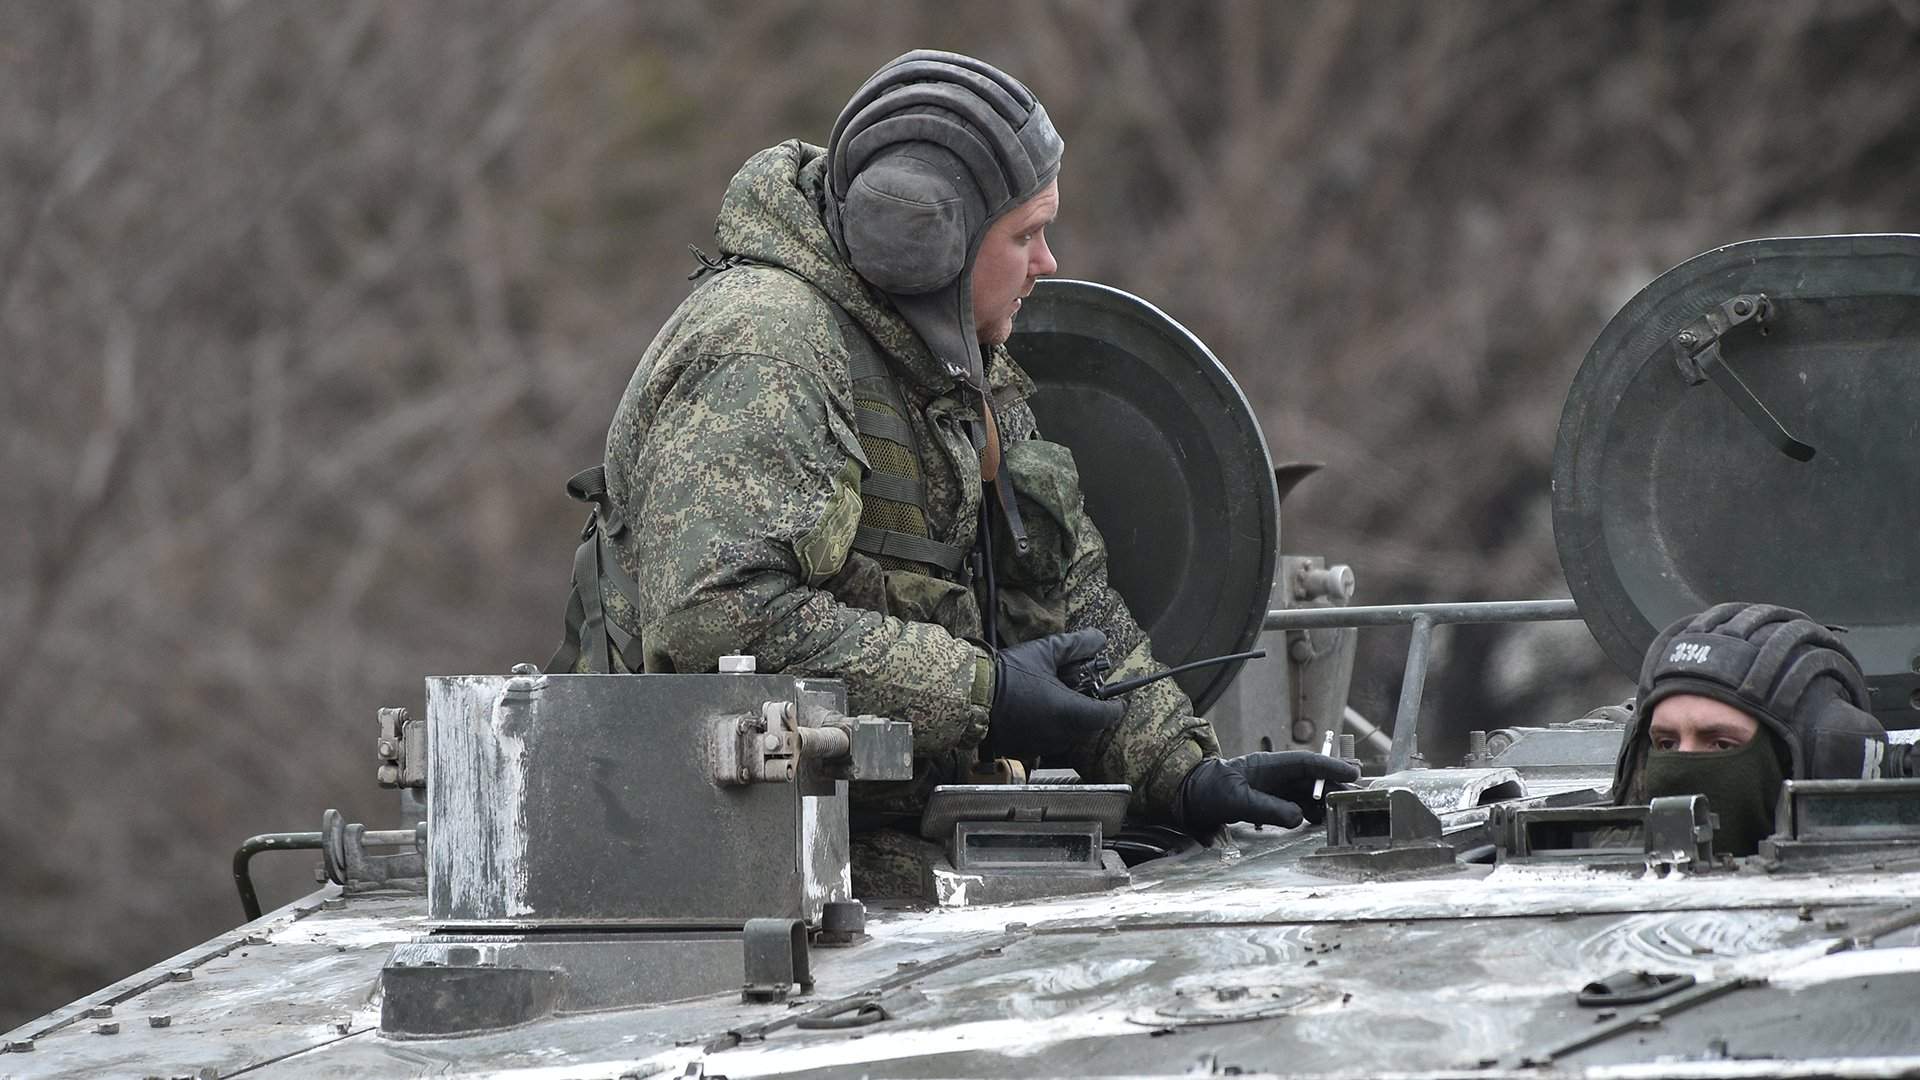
pixel 1011 258
pixel 1690 724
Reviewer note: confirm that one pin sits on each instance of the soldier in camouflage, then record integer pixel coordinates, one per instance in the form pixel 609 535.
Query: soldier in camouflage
pixel 825 459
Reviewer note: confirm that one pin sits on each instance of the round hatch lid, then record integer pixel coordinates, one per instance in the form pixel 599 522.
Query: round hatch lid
pixel 1748 428
pixel 1173 467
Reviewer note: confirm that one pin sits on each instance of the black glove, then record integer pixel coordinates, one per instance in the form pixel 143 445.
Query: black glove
pixel 1034 713
pixel 1274 788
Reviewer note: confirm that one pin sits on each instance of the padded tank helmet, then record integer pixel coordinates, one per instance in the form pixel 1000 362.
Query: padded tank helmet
pixel 929 152
pixel 1791 674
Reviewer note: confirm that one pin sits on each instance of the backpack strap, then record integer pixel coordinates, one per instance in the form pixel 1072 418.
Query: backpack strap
pixel 596 565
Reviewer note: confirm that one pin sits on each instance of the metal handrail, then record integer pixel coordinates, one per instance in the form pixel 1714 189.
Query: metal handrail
pixel 1423 618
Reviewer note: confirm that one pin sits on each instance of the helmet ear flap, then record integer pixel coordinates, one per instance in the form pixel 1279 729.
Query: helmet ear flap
pixel 905 227
pixel 1847 744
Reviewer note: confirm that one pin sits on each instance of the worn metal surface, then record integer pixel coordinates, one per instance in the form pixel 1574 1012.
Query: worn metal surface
pixel 1298 692
pixel 1173 467
pixel 589 972
pixel 1667 497
pixel 549 798
pixel 1250 962
pixel 954 803
pixel 1555 748
pixel 1446 790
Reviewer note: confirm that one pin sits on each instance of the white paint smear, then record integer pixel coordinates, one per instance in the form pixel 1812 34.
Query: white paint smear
pixel 476 832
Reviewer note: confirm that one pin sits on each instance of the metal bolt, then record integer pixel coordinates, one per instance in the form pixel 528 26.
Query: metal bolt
pixel 770 741
pixel 99 1012
pixel 160 1020
pixel 1741 307
pixel 386 748
pixel 332 903
pixel 524 668
pixel 1686 337
pixel 1303 731
pixel 181 974
pixel 745 776
pixel 107 1027
pixel 1916 662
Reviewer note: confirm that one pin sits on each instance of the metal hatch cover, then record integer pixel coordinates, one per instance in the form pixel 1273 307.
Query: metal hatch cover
pixel 1173 467
pixel 1748 428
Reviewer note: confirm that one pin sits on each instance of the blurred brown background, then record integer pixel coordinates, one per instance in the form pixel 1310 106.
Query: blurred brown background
pixel 307 311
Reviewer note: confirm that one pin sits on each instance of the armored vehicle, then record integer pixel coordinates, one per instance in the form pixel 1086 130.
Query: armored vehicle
pixel 627 876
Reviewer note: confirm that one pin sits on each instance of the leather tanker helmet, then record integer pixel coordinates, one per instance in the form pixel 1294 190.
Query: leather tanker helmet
pixel 1775 664
pixel 928 153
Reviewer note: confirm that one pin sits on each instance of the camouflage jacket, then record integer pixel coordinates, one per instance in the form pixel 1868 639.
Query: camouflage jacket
pixel 734 460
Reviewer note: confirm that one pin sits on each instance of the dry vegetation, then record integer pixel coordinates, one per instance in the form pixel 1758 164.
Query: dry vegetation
pixel 308 310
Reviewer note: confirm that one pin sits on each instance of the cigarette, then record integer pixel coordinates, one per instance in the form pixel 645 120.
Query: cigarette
pixel 1326 750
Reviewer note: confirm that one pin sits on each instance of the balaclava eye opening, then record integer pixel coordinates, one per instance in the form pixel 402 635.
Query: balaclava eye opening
pixel 929 152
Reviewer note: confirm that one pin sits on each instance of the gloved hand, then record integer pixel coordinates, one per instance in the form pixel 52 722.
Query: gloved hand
pixel 1273 788
pixel 1033 712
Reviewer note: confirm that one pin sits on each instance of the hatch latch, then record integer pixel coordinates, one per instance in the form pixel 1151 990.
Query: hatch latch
pixel 1696 352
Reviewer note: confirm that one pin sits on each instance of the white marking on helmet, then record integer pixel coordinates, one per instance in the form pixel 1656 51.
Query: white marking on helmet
pixel 1689 652
pixel 1870 760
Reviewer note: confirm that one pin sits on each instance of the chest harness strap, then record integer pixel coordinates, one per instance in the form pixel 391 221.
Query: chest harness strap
pixel 893 500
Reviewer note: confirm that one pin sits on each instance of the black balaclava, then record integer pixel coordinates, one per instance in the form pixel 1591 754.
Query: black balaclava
pixel 926 156
pixel 1792 675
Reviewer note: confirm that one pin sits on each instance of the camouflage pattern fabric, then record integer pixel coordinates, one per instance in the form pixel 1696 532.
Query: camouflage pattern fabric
pixel 892 865
pixel 734 459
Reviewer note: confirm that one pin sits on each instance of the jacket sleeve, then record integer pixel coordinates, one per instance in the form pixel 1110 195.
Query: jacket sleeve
pixel 1159 739
pixel 743 496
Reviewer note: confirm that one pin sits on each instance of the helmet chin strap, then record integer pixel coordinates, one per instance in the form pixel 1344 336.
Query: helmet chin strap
pixel 993 471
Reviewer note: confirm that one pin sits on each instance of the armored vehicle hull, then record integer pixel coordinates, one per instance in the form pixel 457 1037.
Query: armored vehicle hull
pixel 1498 920
pixel 1215 961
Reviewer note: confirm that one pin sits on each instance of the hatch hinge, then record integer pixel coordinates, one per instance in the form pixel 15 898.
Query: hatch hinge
pixel 402 750
pixel 1696 352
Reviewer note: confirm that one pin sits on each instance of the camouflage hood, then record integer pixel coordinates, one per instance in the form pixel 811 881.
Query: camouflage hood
pixel 773 214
